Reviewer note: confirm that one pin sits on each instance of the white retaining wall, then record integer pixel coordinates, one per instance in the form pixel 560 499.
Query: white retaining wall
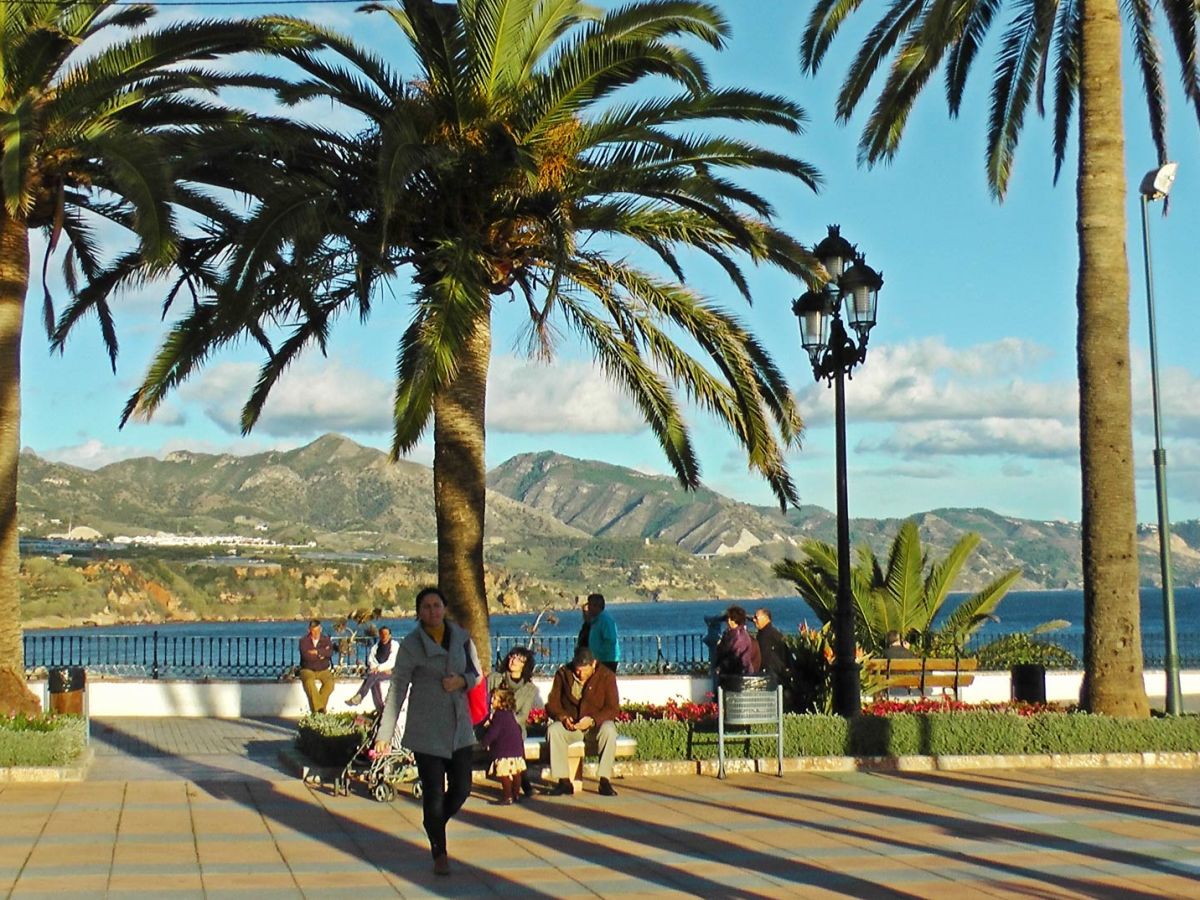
pixel 235 699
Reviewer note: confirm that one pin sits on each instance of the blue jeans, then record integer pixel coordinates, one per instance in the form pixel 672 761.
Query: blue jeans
pixel 445 787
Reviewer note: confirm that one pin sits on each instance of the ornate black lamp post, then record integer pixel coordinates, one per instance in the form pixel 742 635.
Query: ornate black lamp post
pixel 834 354
pixel 1156 186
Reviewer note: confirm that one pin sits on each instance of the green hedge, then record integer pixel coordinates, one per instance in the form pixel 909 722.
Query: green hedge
pixel 41 740
pixel 331 739
pixel 928 734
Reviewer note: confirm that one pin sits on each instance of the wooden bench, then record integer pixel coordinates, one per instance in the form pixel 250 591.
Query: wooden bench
pixel 922 674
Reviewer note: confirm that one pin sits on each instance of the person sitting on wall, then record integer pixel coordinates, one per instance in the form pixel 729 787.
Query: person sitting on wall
pixel 737 650
pixel 583 703
pixel 316 667
pixel 380 662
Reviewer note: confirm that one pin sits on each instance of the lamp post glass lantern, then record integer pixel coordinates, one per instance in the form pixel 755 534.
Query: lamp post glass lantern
pixel 1156 186
pixel 833 355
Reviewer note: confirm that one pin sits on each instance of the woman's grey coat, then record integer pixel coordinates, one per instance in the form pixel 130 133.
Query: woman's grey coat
pixel 438 722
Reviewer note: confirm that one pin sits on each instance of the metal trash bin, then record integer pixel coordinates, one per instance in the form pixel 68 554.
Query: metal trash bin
pixel 67 687
pixel 745 700
pixel 1029 682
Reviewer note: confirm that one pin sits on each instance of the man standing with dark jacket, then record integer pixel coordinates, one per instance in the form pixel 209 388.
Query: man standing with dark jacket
pixel 776 655
pixel 583 703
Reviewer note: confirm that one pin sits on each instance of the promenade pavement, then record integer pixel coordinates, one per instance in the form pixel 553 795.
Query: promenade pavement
pixel 204 808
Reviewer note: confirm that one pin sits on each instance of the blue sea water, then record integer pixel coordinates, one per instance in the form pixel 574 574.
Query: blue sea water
pixel 1019 611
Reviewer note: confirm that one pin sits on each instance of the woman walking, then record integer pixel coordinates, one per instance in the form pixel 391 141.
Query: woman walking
pixel 436 664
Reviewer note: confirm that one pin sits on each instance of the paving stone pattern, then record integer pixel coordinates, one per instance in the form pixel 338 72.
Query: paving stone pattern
pixel 210 825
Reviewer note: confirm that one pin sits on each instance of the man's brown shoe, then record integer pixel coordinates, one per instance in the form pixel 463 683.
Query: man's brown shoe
pixel 563 788
pixel 441 864
pixel 606 788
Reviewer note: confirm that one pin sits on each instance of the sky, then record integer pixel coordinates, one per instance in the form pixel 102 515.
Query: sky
pixel 967 397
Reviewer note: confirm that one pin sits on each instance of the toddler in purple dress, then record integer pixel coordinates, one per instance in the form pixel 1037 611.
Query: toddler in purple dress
pixel 503 740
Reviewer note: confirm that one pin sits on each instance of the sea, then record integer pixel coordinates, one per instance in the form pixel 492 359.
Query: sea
pixel 1019 611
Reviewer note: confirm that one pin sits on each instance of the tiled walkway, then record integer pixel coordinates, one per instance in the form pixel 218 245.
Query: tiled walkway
pixel 206 828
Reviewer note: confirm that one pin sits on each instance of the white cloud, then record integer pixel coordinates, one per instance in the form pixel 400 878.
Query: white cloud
pixel 928 381
pixel 525 397
pixel 313 397
pixel 1037 438
pixel 316 396
pixel 92 454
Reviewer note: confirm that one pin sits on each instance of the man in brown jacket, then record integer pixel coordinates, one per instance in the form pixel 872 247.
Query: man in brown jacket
pixel 583 703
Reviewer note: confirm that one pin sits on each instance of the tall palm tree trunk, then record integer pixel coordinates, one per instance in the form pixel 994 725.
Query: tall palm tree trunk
pixel 1112 642
pixel 14 280
pixel 460 487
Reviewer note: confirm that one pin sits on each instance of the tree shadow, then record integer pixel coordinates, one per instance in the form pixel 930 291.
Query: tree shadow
pixel 963 827
pixel 1142 808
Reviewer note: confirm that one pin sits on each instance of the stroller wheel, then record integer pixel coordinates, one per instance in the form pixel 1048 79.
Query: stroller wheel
pixel 384 792
pixel 417 790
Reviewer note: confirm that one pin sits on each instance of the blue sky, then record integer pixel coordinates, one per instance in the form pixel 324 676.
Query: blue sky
pixel 967 398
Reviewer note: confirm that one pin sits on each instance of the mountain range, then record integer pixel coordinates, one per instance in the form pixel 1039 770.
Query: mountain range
pixel 561 524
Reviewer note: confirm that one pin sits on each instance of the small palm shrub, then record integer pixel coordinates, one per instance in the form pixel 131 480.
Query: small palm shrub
pixel 1021 648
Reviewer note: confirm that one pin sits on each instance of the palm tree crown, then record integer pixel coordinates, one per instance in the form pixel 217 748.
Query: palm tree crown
pixel 512 165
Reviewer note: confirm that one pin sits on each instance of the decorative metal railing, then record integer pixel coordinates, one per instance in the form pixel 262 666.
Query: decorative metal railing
pixel 158 655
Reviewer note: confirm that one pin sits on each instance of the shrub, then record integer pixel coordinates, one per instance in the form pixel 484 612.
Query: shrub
pixel 54 740
pixel 1015 649
pixel 1082 733
pixel 331 739
pixel 938 733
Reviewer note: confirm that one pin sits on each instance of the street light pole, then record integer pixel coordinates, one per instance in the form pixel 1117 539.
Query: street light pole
pixel 834 354
pixel 1156 186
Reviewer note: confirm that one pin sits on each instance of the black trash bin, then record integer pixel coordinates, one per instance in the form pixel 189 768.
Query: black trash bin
pixel 1029 682
pixel 67 687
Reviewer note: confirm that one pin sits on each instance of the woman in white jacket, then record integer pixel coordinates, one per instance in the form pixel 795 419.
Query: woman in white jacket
pixel 436 664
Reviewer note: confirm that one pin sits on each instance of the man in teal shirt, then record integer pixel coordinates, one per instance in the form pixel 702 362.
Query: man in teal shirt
pixel 602 633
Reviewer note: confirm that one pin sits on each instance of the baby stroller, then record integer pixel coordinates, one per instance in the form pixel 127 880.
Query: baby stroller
pixel 379 772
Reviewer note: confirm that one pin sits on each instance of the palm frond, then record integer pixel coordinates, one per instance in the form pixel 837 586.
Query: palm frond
pixel 1181 16
pixel 1019 60
pixel 1149 60
pixel 1067 45
pixel 822 27
pixel 981 15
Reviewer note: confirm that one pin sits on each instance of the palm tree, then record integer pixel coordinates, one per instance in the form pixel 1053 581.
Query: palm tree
pixel 905 596
pixel 87 124
pixel 1077 44
pixel 513 165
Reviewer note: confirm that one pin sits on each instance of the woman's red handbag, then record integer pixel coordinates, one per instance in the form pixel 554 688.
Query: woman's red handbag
pixel 477 702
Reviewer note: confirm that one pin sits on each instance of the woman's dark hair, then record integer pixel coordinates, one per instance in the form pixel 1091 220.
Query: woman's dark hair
pixel 526 654
pixel 425 592
pixel 737 614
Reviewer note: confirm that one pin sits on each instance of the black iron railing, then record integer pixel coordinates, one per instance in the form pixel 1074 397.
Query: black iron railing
pixel 158 655
pixel 641 654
